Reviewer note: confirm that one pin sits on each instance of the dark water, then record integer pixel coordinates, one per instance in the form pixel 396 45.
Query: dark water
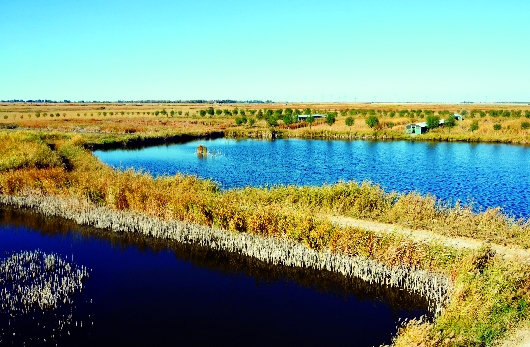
pixel 149 292
pixel 489 175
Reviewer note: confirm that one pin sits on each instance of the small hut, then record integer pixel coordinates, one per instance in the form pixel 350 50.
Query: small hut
pixel 416 128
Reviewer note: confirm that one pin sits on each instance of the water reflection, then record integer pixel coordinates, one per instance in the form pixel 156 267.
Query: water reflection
pixel 178 292
pixel 225 262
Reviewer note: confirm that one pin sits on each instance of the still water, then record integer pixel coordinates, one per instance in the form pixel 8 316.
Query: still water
pixel 489 175
pixel 146 292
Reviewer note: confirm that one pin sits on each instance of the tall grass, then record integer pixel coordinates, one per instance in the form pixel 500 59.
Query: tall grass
pixel 490 297
pixel 23 149
pixel 289 225
pixel 275 250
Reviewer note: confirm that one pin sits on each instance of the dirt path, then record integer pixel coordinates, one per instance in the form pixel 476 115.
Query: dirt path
pixel 521 336
pixel 424 236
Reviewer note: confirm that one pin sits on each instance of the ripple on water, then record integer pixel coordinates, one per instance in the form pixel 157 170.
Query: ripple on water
pixel 489 175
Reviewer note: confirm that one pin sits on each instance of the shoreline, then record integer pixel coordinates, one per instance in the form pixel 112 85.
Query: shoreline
pixel 431 286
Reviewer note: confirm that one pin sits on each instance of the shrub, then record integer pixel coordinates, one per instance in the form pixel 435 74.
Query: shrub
pixel 525 125
pixel 497 126
pixel 473 126
pixel 450 121
pixel 240 120
pixel 372 121
pixel 432 121
pixel 330 118
pixel 350 121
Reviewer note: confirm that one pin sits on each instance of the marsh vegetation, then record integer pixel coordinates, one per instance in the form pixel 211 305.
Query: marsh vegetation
pixel 487 295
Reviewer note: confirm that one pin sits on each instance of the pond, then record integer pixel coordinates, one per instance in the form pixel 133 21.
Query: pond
pixel 489 175
pixel 144 291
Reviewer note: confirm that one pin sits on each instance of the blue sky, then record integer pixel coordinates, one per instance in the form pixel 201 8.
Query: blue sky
pixel 427 51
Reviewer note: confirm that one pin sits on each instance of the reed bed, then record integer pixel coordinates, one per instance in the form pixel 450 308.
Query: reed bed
pixel 200 201
pixel 331 283
pixel 279 251
pixel 278 225
pixel 36 280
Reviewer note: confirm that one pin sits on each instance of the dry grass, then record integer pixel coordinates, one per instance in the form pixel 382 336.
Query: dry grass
pixel 141 118
pixel 490 295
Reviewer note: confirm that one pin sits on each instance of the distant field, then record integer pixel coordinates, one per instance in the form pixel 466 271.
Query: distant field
pixel 482 122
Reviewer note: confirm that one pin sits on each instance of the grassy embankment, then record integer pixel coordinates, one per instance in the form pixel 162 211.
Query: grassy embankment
pixel 482 123
pixel 490 295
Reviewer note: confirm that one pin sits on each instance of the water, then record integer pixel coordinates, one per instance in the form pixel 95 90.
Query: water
pixel 489 175
pixel 144 291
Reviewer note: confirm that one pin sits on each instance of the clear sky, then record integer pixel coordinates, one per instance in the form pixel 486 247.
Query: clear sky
pixel 294 50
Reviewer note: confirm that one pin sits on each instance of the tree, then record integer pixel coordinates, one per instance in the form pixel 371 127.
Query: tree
pixel 473 126
pixel 172 113
pixel 450 121
pixel 307 111
pixel 240 120
pixel 330 118
pixel 235 111
pixel 210 111
pixel 432 121
pixel 287 119
pixel 271 120
pixel 203 113
pixel 251 121
pixel 372 121
pixel 310 120
pixel 218 112
pixel 497 126
pixel 349 122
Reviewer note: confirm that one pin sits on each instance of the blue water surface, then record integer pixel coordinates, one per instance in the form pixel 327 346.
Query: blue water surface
pixel 142 292
pixel 489 175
